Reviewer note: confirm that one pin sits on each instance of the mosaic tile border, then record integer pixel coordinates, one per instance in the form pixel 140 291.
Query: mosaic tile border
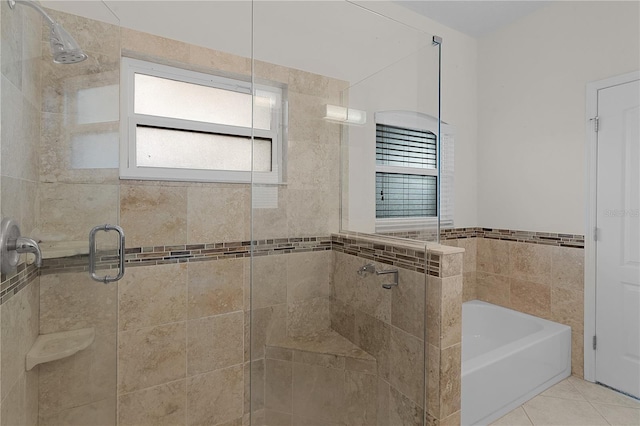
pixel 389 254
pixel 532 237
pixel 11 285
pixel 162 255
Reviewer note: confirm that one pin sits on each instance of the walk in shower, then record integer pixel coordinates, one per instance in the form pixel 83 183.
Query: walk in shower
pixel 275 168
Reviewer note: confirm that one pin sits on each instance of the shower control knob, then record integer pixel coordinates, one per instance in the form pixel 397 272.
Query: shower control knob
pixel 12 245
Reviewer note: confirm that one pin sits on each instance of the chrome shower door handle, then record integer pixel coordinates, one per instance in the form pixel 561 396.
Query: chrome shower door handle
pixel 92 253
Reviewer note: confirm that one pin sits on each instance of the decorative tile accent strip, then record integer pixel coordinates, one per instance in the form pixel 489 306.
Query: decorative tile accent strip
pixel 546 238
pixel 161 255
pixel 413 260
pixel 11 285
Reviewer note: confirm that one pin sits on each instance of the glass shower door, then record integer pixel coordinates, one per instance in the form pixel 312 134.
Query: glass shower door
pixel 333 340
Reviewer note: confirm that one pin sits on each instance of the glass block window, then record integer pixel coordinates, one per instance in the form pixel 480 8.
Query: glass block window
pixel 185 125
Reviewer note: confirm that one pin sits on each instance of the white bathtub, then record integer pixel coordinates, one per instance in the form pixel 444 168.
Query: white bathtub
pixel 507 358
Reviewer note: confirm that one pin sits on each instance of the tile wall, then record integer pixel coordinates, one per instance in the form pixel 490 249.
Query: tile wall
pixel 20 71
pixel 390 325
pixel 538 274
pixel 172 338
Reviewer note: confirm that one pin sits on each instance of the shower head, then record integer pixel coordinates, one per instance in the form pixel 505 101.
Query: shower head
pixel 64 48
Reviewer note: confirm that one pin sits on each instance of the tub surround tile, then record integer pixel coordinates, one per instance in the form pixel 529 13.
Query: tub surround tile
pixel 493 288
pixel 530 262
pixel 450 380
pixel 493 256
pixel 451 311
pixel 530 297
pixel 402 411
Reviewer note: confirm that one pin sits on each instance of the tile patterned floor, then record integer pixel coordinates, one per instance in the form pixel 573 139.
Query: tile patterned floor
pixel 575 402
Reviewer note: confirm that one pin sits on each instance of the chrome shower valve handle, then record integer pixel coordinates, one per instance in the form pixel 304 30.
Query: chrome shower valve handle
pixel 12 245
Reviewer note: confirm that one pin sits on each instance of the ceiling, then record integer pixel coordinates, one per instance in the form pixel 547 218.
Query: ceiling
pixel 475 18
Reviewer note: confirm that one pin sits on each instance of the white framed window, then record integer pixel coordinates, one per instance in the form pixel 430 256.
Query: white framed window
pixel 178 124
pixel 407 172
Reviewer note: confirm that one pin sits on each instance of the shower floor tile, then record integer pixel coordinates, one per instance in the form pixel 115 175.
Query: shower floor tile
pixel 575 402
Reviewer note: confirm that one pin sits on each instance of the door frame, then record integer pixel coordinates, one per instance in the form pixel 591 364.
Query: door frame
pixel 591 162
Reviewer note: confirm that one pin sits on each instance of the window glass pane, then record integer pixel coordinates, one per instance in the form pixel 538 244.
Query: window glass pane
pixel 176 99
pixel 182 149
pixel 401 147
pixel 405 195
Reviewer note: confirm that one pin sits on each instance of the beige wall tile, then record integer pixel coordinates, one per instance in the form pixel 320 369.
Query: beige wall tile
pixel 270 222
pixel 152 295
pixel 402 411
pixel 343 318
pixel 531 298
pixel 577 352
pixel 159 405
pixel 19 320
pixel 405 353
pixel 493 288
pixel 530 262
pixel 312 166
pixel 312 212
pixel 370 297
pixel 408 303
pixel 269 275
pixel 216 397
pixel 434 310
pixel 272 72
pixel 308 316
pixel 433 381
pixel 307 275
pixel 326 360
pixel 450 380
pixel 567 307
pixel 451 311
pixel 153 45
pixel 217 214
pixel 215 287
pixel 12 34
pixel 469 286
pixel 451 265
pixel 214 342
pixel 13 408
pixel 567 268
pixel 278 418
pixel 315 389
pixel 344 277
pixel 168 223
pixel 218 60
pixel 374 337
pixel 269 325
pixel 382 402
pixel 492 256
pixel 101 413
pixel 73 300
pixel 151 356
pixel 254 386
pixel 92 35
pixel 470 246
pixel 60 204
pixel 279 385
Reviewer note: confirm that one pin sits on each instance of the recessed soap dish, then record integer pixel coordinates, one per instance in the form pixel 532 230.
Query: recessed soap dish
pixel 55 346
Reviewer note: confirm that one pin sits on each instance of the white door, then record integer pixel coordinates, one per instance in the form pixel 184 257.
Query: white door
pixel 618 238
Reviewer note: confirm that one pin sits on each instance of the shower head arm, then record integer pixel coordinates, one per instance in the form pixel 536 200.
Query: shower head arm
pixel 34 5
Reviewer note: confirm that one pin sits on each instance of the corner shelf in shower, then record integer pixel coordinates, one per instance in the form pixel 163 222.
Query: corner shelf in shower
pixel 55 346
pixel 57 249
